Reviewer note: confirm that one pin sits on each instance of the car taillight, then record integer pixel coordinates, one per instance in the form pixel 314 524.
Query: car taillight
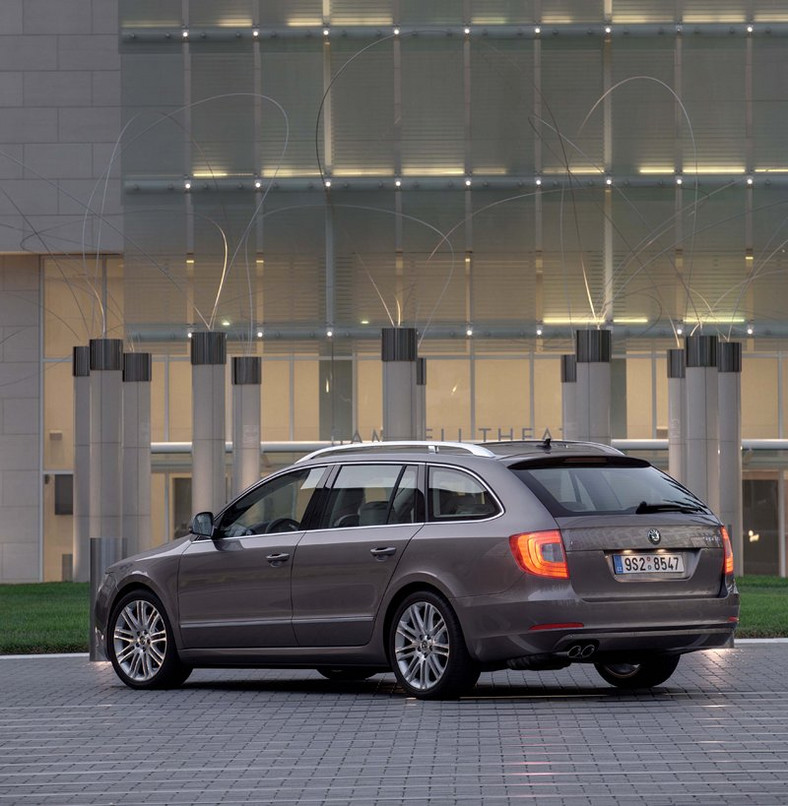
pixel 540 553
pixel 727 562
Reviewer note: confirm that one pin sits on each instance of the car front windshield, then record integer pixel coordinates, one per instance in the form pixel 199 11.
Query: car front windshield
pixel 606 487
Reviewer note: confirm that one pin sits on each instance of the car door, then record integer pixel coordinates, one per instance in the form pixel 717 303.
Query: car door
pixel 234 588
pixel 343 568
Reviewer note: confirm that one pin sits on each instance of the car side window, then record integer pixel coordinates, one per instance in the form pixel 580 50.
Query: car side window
pixel 456 495
pixel 372 495
pixel 275 506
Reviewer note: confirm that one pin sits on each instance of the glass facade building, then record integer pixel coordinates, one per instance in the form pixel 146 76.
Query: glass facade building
pixel 495 174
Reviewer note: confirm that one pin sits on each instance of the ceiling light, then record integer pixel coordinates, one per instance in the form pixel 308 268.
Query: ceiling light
pixel 187 185
pixel 328 183
pixel 750 329
pixel 329 333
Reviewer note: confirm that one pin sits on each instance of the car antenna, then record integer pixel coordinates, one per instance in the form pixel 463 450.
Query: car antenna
pixel 546 443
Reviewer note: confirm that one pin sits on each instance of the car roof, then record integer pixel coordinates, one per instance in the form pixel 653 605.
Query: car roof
pixel 508 452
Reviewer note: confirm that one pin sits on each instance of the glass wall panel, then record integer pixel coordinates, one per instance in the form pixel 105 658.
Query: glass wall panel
pixel 362 108
pixel 448 399
pixel 502 107
pixel 433 107
pixel 759 397
pixel 502 398
pixel 180 401
pixel 369 397
pixel 639 397
pixel 547 397
pixel 570 87
pixel 306 403
pixel 58 416
pixel 276 402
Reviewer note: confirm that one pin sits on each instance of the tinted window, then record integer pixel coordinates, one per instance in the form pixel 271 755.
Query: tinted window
pixel 606 487
pixel 455 495
pixel 372 495
pixel 275 506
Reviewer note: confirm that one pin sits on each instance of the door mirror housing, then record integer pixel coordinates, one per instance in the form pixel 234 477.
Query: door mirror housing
pixel 202 524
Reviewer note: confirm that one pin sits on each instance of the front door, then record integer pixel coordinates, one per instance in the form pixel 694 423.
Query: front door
pixel 234 588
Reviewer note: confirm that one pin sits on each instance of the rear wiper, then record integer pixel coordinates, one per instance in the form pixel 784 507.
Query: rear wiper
pixel 667 506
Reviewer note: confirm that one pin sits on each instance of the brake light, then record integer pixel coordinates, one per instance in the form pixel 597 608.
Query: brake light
pixel 540 553
pixel 727 562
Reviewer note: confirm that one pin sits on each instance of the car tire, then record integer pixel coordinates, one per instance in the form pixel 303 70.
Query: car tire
pixel 140 643
pixel 427 649
pixel 346 673
pixel 645 674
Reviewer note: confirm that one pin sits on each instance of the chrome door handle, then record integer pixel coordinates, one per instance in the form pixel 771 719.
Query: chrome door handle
pixel 277 559
pixel 380 553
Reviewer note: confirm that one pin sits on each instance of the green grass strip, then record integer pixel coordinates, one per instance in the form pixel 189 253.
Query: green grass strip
pixel 53 616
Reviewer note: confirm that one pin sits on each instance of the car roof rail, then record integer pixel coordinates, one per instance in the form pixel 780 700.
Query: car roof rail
pixel 430 446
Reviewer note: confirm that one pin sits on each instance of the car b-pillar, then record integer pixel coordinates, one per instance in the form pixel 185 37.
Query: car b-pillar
pixel 208 359
pixel 593 353
pixel 398 354
pixel 702 430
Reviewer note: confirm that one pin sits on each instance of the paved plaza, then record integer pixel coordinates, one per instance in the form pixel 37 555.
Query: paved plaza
pixel 717 733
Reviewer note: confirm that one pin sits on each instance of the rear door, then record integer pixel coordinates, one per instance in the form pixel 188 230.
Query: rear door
pixel 343 568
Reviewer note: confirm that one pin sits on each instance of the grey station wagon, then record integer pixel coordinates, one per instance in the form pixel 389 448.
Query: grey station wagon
pixel 437 561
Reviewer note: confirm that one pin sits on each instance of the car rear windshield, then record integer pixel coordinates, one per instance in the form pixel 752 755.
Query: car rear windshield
pixel 609 485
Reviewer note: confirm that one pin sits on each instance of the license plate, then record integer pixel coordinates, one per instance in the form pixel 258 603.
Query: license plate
pixel 648 563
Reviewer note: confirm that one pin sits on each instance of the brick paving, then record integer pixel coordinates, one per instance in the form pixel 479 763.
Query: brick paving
pixel 716 733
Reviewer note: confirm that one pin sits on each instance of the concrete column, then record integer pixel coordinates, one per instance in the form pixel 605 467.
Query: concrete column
pixel 702 459
pixel 208 356
pixel 136 452
pixel 106 403
pixel 80 368
pixel 247 376
pixel 398 353
pixel 593 353
pixel 730 512
pixel 421 398
pixel 569 396
pixel 677 413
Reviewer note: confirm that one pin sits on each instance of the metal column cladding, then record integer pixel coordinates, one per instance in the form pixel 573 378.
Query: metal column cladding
pixel 137 367
pixel 701 351
pixel 135 451
pixel 80 362
pixel 80 551
pixel 569 396
pixel 568 368
pixel 421 372
pixel 208 347
pixel 593 353
pixel 677 364
pixel 247 370
pixel 593 346
pixel 398 347
pixel 398 344
pixel 702 459
pixel 246 381
pixel 677 413
pixel 729 356
pixel 729 366
pixel 208 358
pixel 106 354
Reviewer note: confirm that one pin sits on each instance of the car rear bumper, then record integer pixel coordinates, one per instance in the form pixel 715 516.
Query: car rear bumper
pixel 576 631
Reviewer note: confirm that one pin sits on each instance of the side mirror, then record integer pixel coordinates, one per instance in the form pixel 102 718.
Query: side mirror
pixel 202 524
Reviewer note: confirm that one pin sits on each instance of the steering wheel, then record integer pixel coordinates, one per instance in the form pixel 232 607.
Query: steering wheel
pixel 283 525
